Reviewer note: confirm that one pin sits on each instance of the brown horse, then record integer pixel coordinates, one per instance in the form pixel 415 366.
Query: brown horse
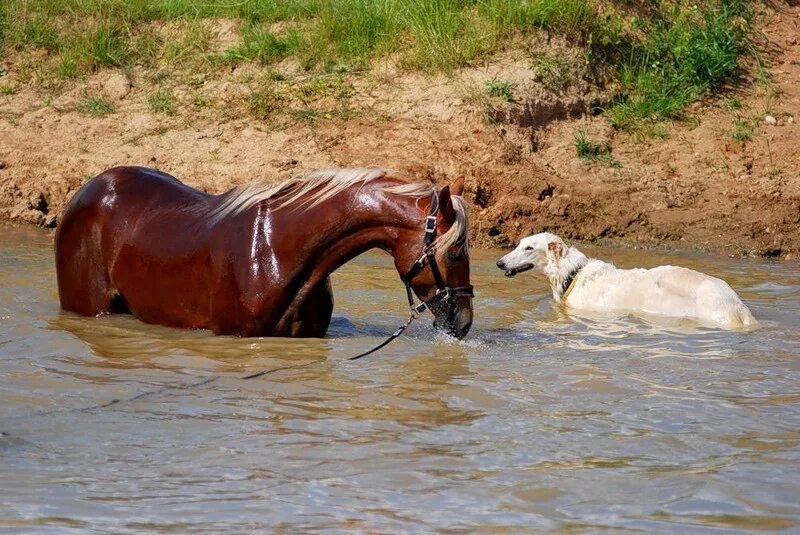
pixel 256 261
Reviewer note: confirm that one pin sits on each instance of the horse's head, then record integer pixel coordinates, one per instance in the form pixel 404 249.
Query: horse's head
pixel 449 249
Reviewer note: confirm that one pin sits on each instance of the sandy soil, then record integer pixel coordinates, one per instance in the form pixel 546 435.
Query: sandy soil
pixel 698 187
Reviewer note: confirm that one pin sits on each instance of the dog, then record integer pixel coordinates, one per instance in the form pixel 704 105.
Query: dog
pixel 592 285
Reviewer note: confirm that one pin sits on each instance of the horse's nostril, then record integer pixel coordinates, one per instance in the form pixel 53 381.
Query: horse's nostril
pixel 501 264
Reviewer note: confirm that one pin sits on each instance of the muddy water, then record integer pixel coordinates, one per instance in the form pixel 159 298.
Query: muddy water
pixel 537 421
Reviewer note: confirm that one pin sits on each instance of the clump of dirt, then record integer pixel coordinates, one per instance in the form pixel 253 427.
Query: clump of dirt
pixel 728 180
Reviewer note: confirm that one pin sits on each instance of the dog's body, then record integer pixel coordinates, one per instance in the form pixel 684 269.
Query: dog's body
pixel 596 286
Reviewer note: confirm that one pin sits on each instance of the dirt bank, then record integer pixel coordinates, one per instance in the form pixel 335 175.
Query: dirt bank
pixel 727 180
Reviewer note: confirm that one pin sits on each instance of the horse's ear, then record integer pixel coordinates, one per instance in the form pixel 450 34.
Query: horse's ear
pixel 446 204
pixel 445 198
pixel 457 187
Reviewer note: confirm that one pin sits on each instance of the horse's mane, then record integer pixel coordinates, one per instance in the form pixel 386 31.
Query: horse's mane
pixel 310 189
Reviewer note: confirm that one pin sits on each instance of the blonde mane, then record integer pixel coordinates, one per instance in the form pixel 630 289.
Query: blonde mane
pixel 310 189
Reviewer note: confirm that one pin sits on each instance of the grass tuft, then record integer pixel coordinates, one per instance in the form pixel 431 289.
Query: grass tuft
pixel 259 44
pixel 162 101
pixel 500 89
pixel 587 149
pixel 264 102
pixel 96 106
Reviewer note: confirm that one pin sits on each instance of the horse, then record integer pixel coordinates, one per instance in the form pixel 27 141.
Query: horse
pixel 257 260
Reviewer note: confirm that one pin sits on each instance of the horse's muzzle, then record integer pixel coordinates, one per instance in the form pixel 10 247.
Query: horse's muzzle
pixel 456 321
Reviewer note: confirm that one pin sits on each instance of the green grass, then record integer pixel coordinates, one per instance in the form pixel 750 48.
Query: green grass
pixel 259 44
pixel 162 101
pixel 588 149
pixel 743 128
pixel 552 71
pixel 96 106
pixel 593 151
pixel 661 55
pixel 686 52
pixel 500 89
pixel 265 101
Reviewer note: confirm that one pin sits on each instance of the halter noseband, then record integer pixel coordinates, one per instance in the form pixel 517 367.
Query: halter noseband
pixel 444 292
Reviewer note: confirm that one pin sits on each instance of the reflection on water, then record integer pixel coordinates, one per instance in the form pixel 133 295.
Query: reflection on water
pixel 537 420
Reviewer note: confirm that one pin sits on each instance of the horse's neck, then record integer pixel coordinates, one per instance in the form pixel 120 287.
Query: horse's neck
pixel 340 233
pixel 339 238
pixel 342 237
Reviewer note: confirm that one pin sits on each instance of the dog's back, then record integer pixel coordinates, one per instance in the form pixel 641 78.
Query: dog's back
pixel 662 291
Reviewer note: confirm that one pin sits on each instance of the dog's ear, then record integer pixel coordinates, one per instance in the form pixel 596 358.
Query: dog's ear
pixel 556 248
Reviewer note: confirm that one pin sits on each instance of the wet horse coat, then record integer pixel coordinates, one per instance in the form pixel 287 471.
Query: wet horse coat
pixel 255 261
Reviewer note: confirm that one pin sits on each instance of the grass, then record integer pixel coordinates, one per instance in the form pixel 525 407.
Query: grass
pixel 552 71
pixel 661 55
pixel 586 149
pixel 744 128
pixel 265 101
pixel 500 89
pixel 686 52
pixel 162 101
pixel 96 106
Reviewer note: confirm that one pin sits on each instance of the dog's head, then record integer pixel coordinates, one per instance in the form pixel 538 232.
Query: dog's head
pixel 537 251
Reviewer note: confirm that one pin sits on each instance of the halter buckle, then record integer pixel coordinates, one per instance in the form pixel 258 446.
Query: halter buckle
pixel 430 223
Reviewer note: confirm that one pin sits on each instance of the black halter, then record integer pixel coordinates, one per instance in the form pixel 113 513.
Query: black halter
pixel 443 293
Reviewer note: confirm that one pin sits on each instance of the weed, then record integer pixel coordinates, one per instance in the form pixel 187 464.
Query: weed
pixel 67 67
pixel 193 41
pixel 201 101
pixel 264 102
pixel 95 106
pixel 587 149
pixel 663 57
pixel 553 72
pixel 683 53
pixel 444 37
pixel 500 89
pixel 259 44
pixel 325 86
pixel 7 89
pixel 162 101
pixel 732 104
pixel 309 115
pixel 743 129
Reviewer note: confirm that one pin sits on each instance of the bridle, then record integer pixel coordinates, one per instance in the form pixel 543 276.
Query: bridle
pixel 444 293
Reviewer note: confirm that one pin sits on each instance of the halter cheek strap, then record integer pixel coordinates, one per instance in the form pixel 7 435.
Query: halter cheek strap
pixel 428 258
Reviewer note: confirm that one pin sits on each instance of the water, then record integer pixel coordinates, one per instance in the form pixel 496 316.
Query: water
pixel 536 421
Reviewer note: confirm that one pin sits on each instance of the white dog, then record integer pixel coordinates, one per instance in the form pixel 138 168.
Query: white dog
pixel 596 286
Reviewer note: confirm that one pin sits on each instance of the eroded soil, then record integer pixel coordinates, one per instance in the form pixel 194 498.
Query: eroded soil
pixel 698 186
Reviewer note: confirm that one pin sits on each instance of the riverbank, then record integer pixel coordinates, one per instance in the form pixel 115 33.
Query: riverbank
pixel 725 177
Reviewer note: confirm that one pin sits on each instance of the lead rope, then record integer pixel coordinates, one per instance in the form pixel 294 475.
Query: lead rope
pixel 444 292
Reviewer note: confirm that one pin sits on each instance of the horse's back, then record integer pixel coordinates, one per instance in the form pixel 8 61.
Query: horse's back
pixel 120 207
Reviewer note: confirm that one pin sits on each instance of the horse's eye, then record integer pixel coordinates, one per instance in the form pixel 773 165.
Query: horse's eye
pixel 529 248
